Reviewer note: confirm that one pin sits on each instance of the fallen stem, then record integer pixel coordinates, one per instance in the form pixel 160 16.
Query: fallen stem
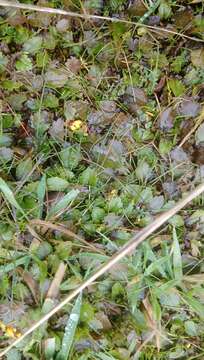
pixel 86 16
pixel 125 250
pixel 62 229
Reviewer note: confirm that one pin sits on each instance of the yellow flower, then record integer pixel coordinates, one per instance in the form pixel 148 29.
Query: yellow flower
pixel 76 125
pixel 10 331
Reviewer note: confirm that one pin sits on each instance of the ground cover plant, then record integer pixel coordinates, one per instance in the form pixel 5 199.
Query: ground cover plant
pixel 101 130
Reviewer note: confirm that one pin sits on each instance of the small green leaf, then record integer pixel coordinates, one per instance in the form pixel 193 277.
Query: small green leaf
pixel 70 157
pixel 14 264
pixel 42 59
pixel 51 101
pixel 191 328
pixel 5 140
pixel 13 354
pixel 57 184
pixel 88 177
pixel 115 205
pixel 87 312
pixel 97 214
pixel 164 10
pixel 24 63
pixel 11 85
pixel 176 87
pixel 3 62
pixel 24 168
pixel 63 203
pixel 177 260
pixel 33 45
pixel 43 250
pixel 176 221
pixel 165 146
pixel 70 330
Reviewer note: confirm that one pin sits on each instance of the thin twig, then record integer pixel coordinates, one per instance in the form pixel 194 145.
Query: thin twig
pixel 62 229
pixel 86 16
pixel 125 250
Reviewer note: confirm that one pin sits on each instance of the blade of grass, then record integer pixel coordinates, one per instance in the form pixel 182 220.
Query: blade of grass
pixel 177 260
pixel 8 193
pixel 195 305
pixel 41 194
pixel 63 203
pixel 125 250
pixel 70 330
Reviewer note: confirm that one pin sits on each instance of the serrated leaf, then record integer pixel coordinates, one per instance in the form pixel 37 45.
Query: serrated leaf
pixel 24 63
pixel 63 203
pixel 70 330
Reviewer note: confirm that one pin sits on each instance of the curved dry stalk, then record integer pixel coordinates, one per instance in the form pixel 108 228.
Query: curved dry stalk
pixel 125 250
pixel 86 16
pixel 62 229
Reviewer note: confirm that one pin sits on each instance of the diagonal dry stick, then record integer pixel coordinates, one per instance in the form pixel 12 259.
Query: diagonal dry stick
pixel 125 250
pixel 91 17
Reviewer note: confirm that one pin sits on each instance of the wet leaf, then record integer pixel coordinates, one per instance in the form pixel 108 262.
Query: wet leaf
pixel 70 330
